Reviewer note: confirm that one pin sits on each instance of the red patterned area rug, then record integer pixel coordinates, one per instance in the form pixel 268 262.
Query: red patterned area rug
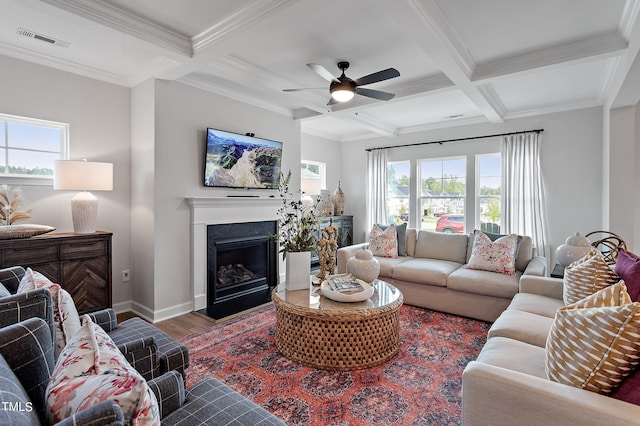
pixel 421 385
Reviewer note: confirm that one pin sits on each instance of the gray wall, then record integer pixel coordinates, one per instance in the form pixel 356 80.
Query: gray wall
pixel 99 126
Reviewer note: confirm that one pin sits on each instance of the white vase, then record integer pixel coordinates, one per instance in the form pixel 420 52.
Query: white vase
pixel 298 270
pixel 364 266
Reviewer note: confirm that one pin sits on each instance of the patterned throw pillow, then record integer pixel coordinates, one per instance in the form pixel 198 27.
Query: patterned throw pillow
pixel 628 268
pixel 494 256
pixel 592 346
pixel 586 276
pixel 90 370
pixel 65 316
pixel 384 243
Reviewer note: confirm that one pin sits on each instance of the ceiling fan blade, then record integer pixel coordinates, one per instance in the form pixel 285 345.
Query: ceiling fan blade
pixel 303 88
pixel 376 94
pixel 322 72
pixel 377 76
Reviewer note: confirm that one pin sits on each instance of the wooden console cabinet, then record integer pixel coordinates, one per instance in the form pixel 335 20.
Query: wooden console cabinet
pixel 80 263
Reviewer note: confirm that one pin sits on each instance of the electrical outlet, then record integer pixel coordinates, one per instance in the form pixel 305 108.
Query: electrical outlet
pixel 126 275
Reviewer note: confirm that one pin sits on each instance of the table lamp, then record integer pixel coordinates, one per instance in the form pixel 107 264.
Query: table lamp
pixel 309 187
pixel 84 176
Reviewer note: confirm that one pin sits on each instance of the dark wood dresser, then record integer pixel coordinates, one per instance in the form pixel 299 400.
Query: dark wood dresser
pixel 80 263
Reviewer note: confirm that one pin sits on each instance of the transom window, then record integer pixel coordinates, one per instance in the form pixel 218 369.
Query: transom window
pixel 28 146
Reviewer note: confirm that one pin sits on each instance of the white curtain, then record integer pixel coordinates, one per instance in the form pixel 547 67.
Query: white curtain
pixel 376 186
pixel 523 204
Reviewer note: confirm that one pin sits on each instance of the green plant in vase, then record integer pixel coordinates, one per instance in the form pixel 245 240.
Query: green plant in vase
pixel 297 226
pixel 297 223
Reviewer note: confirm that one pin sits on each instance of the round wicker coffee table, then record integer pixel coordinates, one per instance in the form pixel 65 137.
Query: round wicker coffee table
pixel 321 333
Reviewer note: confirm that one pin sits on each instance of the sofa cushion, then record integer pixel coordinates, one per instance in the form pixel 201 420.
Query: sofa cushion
pixel 628 268
pixel 425 271
pixel 91 369
pixel 412 238
pixel 586 276
pixel 387 265
pixel 65 316
pixel 494 256
pixel 594 348
pixel 28 350
pixel 436 245
pixel 384 243
pixel 484 282
pixel 536 304
pixel 629 389
pixel 522 326
pixel 514 355
pixel 3 291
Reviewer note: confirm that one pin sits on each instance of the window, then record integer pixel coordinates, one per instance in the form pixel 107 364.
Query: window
pixel 442 194
pixel 28 147
pixel 489 192
pixel 398 191
pixel 313 176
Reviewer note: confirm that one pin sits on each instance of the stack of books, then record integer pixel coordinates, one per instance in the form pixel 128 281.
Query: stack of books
pixel 344 283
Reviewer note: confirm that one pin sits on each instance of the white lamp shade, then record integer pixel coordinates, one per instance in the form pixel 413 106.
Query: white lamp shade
pixel 82 175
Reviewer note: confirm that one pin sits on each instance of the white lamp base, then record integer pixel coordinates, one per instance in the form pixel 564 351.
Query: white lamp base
pixel 84 212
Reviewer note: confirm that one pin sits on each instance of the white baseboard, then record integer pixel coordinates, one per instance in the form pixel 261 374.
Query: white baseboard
pixel 150 315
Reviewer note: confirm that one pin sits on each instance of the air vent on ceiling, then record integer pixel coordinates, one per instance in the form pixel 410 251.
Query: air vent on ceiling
pixel 450 117
pixel 32 34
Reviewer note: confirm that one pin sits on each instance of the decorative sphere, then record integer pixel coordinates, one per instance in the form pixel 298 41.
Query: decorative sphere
pixel 574 248
pixel 364 266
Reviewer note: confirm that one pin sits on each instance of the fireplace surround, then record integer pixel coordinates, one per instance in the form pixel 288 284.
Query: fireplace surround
pixel 242 266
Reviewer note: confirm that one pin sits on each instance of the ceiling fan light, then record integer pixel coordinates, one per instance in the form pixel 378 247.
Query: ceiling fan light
pixel 342 95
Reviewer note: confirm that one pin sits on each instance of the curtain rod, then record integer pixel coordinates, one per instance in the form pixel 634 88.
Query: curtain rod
pixel 457 140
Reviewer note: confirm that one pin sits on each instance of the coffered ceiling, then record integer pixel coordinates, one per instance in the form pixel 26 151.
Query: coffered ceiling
pixel 461 61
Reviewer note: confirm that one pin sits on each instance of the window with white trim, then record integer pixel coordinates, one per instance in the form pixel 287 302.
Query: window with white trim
pixel 313 176
pixel 489 192
pixel 442 192
pixel 28 146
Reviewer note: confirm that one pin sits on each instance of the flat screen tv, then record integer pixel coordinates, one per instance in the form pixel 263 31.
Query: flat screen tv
pixel 241 161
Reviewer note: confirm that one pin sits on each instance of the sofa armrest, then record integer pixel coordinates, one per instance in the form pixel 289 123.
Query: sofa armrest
pixel 542 286
pixel 142 354
pixel 537 266
pixel 104 413
pixel 495 396
pixel 346 253
pixel 105 318
pixel 169 392
pixel 30 304
pixel 11 277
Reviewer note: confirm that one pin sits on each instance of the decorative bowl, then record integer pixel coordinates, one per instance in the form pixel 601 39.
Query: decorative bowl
pixel 342 297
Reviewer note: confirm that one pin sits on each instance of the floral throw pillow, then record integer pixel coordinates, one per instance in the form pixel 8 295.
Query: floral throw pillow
pixel 384 243
pixel 90 370
pixel 494 256
pixel 65 316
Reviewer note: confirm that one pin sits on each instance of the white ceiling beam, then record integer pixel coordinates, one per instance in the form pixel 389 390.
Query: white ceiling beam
pixel 624 73
pixel 427 25
pixel 587 50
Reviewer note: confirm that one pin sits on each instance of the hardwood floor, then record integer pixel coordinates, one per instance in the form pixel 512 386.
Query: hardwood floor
pixel 190 323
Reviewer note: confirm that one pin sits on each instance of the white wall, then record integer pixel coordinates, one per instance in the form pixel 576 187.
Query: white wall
pixel 182 114
pixel 571 157
pixel 99 121
pixel 315 148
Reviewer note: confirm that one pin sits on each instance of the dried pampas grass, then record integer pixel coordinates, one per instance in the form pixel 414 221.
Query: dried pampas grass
pixel 10 203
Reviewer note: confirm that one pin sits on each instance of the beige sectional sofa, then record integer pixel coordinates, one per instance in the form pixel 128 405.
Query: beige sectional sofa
pixel 508 385
pixel 433 276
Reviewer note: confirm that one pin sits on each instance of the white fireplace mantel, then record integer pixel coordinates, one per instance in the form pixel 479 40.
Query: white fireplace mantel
pixel 218 210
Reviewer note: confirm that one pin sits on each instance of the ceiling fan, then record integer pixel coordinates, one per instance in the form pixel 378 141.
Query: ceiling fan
pixel 343 88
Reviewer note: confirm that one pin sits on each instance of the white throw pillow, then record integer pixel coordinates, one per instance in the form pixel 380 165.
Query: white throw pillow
pixel 494 256
pixel 384 243
pixel 65 316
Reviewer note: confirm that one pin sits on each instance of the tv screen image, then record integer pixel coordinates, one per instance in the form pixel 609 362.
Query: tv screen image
pixel 239 161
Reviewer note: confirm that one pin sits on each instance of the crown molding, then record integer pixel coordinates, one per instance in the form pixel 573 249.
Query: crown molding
pixel 239 20
pixel 589 49
pixel 552 109
pixel 63 65
pixel 629 17
pixel 128 22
